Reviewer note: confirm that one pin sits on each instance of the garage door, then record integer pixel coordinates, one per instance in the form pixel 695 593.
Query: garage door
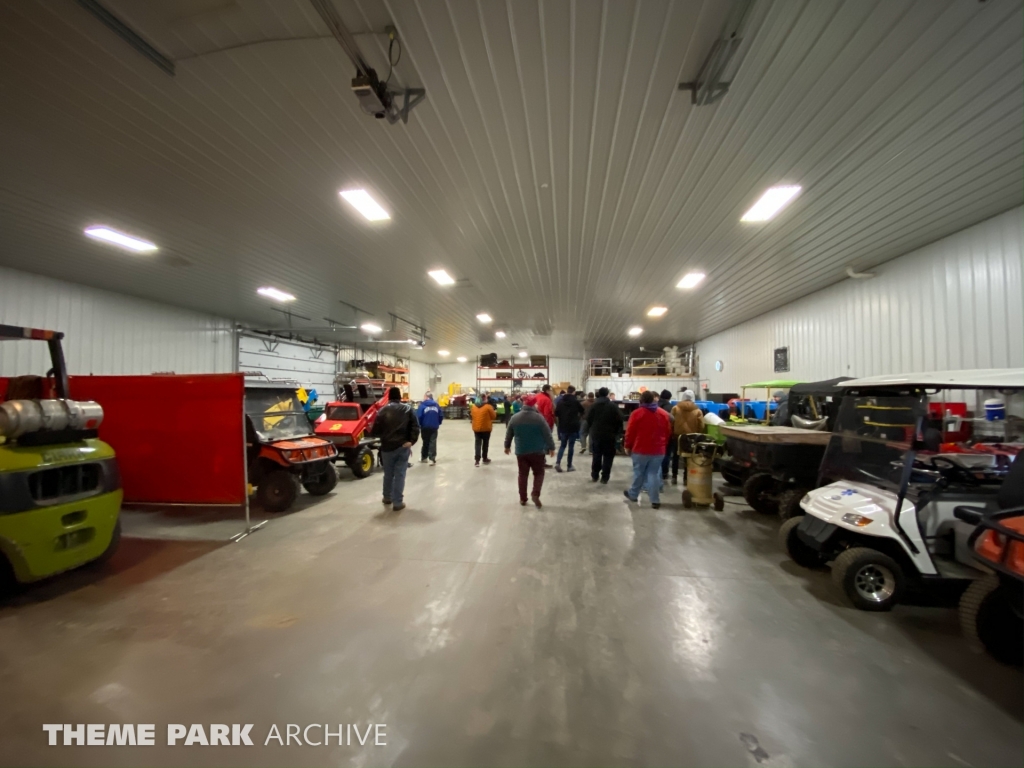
pixel 313 367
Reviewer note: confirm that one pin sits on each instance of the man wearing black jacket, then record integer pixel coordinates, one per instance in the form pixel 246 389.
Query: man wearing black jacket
pixel 568 412
pixel 398 430
pixel 604 424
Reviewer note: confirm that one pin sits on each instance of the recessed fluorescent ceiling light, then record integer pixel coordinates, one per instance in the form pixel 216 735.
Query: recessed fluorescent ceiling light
pixel 370 328
pixel 522 354
pixel 657 311
pixel 461 359
pixel 121 239
pixel 499 334
pixel 443 352
pixel 360 200
pixel 442 277
pixel 483 317
pixel 771 202
pixel 636 330
pixel 275 294
pixel 690 280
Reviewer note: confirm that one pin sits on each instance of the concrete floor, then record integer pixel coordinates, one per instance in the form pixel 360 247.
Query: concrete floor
pixel 592 632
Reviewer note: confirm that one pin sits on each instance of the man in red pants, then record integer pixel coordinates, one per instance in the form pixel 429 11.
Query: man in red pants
pixel 533 439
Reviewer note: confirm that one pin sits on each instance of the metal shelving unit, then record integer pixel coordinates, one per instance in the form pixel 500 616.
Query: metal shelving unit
pixel 518 377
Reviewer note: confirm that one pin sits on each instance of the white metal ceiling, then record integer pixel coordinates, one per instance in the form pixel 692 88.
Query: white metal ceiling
pixel 554 168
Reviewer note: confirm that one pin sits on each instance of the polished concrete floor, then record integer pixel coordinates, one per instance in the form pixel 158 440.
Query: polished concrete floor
pixel 591 632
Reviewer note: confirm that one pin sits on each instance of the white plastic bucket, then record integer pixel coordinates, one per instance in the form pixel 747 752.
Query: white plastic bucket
pixel 995 409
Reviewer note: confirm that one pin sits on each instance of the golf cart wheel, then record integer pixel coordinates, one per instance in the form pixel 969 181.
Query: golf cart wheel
pixel 687 500
pixel 789 503
pixel 362 464
pixel 115 542
pixel 276 491
pixel 718 502
pixel 325 483
pixel 758 492
pixel 799 553
pixel 988 620
pixel 871 580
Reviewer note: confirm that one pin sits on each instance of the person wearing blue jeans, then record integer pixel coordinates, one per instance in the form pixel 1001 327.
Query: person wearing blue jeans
pixel 398 429
pixel 568 414
pixel 429 415
pixel 647 436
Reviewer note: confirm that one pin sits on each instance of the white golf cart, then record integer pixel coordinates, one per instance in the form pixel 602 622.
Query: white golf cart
pixel 905 452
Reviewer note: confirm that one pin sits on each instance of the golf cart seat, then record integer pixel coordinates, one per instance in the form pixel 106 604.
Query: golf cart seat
pixel 1010 495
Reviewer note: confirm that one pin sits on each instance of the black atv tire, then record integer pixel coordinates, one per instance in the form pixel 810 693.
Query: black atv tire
pixel 789 503
pixel 732 476
pixel 799 553
pixel 363 463
pixel 988 620
pixel 325 484
pixel 870 579
pixel 277 491
pixel 757 490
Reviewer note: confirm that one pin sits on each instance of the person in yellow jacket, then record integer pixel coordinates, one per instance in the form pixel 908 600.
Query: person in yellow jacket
pixel 483 416
pixel 686 420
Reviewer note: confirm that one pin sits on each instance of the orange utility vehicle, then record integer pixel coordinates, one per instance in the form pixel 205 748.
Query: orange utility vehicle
pixel 346 423
pixel 281 450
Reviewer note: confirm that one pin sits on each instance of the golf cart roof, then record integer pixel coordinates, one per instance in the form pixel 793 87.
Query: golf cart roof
pixel 778 383
pixel 820 388
pixel 979 378
pixel 9 332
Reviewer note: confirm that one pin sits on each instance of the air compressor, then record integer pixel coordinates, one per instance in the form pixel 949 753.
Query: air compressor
pixel 700 452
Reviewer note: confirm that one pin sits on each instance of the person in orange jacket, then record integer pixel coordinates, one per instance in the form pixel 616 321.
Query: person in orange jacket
pixel 483 417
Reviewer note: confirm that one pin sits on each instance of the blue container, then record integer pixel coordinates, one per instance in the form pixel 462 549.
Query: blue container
pixel 995 410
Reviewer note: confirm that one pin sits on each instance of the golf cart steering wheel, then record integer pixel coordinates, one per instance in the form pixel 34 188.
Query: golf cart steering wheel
pixel 953 471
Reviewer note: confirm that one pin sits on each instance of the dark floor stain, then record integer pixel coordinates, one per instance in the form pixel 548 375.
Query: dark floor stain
pixel 753 747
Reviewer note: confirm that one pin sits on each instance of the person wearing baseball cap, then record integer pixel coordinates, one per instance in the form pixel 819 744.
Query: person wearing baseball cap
pixel 533 440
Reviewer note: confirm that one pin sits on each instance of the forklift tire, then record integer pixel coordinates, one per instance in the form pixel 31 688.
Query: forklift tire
pixel 757 492
pixel 276 491
pixel 989 621
pixel 799 553
pixel 323 486
pixel 870 579
pixel 362 464
pixel 789 503
pixel 115 542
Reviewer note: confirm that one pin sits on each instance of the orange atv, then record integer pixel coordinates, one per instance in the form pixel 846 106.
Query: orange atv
pixel 281 450
pixel 992 608
pixel 347 422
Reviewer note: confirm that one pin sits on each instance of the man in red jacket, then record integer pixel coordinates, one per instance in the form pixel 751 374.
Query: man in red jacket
pixel 546 406
pixel 647 436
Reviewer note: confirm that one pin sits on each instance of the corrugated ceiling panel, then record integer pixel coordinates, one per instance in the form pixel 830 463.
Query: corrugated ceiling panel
pixel 956 303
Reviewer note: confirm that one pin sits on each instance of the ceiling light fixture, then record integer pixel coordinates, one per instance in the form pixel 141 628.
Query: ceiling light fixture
pixel 370 327
pixel 360 200
pixel 275 294
pixel 121 239
pixel 499 334
pixel 442 277
pixel 771 202
pixel 461 359
pixel 636 330
pixel 657 311
pixel 522 354
pixel 690 280
pixel 443 352
pixel 483 317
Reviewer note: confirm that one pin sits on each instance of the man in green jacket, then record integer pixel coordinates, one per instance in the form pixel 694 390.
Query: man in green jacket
pixel 533 439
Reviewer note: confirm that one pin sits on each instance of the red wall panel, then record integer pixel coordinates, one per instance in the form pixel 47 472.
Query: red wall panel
pixel 177 438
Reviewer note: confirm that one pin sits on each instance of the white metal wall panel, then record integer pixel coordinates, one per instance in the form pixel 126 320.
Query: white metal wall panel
pixel 313 367
pixel 568 369
pixel 418 380
pixel 956 303
pixel 108 333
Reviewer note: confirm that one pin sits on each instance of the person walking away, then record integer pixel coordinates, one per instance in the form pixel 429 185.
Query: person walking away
pixel 568 413
pixel 647 436
pixel 483 416
pixel 398 430
pixel 429 415
pixel 517 404
pixel 533 440
pixel 781 417
pixel 687 420
pixel 665 403
pixel 604 425
pixel 589 401
pixel 546 406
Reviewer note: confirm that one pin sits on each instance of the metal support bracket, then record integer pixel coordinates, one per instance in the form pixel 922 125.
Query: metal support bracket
pixel 410 98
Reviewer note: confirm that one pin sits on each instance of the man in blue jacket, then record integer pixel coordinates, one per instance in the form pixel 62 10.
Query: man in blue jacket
pixel 430 416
